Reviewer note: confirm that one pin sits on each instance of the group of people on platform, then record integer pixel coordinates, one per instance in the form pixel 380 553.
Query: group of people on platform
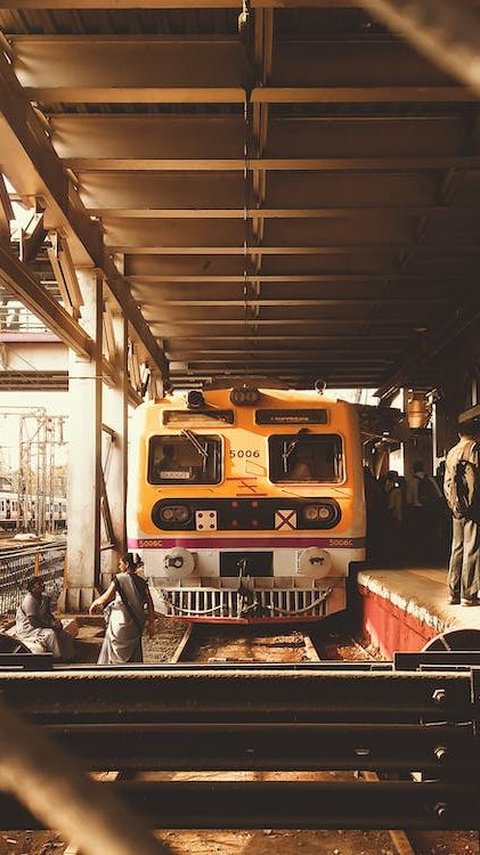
pixel 420 518
pixel 407 519
pixel 127 607
pixel 422 514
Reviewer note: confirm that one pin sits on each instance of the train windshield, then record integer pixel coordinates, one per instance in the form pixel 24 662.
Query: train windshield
pixel 305 457
pixel 188 458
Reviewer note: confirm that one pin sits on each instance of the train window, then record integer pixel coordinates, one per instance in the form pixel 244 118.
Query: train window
pixel 187 458
pixel 305 457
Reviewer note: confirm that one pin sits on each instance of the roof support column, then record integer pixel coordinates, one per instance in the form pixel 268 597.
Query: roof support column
pixel 115 417
pixel 84 466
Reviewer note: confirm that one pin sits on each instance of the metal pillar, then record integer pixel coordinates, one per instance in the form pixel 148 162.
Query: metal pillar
pixel 115 417
pixel 84 465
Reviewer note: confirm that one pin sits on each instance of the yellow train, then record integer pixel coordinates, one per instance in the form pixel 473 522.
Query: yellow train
pixel 247 505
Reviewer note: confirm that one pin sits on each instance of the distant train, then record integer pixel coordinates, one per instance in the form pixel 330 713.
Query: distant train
pixel 247 505
pixel 12 516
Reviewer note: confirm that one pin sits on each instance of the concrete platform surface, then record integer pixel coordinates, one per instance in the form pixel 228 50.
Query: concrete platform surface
pixel 416 597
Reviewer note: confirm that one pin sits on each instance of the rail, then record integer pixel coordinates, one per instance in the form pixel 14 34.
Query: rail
pixel 17 567
pixel 307 717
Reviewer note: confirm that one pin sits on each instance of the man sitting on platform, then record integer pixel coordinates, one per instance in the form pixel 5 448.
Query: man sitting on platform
pixel 38 628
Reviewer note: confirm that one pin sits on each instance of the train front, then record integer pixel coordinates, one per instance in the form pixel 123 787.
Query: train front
pixel 247 505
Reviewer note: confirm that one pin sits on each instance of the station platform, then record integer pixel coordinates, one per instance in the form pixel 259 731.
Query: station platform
pixel 402 609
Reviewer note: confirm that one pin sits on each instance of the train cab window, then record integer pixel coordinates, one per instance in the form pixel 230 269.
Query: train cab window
pixel 187 458
pixel 305 457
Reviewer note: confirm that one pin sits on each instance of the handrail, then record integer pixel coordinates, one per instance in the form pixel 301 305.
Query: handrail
pixel 18 566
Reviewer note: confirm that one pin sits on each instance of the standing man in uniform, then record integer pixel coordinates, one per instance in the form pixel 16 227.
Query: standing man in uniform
pixel 464 569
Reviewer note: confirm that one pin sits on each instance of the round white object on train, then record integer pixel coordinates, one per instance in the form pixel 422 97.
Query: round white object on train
pixel 178 564
pixel 314 561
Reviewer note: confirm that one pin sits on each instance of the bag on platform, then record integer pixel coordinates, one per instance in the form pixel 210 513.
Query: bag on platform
pixel 461 488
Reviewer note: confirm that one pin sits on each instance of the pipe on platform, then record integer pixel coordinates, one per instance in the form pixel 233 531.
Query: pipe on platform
pixel 57 791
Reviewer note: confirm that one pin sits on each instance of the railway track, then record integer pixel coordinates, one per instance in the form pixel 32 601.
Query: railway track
pixel 202 644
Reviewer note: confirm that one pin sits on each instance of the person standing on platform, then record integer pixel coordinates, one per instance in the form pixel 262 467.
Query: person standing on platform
pixel 461 489
pixel 36 625
pixel 131 608
pixel 424 499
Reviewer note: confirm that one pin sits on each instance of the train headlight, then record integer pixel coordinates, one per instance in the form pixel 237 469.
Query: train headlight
pixel 244 396
pixel 179 513
pixel 325 514
pixel 182 513
pixel 171 516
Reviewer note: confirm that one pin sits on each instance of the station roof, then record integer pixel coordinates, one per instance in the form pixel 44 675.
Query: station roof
pixel 327 229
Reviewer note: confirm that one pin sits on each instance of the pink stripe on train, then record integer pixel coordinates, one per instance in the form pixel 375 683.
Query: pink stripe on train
pixel 246 542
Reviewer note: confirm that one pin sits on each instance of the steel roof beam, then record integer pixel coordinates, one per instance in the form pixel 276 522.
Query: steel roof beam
pixel 210 69
pixel 19 280
pixel 180 324
pixel 359 213
pixel 35 170
pixel 329 278
pixel 281 303
pixel 171 4
pixel 341 249
pixel 190 189
pixel 280 164
pixel 196 136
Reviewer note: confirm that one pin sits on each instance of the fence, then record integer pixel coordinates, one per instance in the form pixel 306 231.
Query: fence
pixel 19 566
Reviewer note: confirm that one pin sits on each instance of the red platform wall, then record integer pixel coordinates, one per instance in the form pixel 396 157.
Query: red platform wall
pixel 390 628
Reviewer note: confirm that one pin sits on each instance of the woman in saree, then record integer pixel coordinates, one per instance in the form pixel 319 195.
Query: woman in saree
pixel 131 608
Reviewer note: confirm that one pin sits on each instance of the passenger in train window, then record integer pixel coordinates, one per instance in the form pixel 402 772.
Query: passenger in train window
pixel 38 628
pixel 301 469
pixel 464 565
pixel 129 608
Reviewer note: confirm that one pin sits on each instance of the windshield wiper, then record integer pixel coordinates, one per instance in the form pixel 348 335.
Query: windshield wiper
pixel 199 446
pixel 290 446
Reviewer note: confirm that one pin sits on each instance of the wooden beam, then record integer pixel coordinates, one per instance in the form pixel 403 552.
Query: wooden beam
pixel 17 277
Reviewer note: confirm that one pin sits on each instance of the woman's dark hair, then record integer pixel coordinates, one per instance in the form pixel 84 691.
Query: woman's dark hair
pixel 128 559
